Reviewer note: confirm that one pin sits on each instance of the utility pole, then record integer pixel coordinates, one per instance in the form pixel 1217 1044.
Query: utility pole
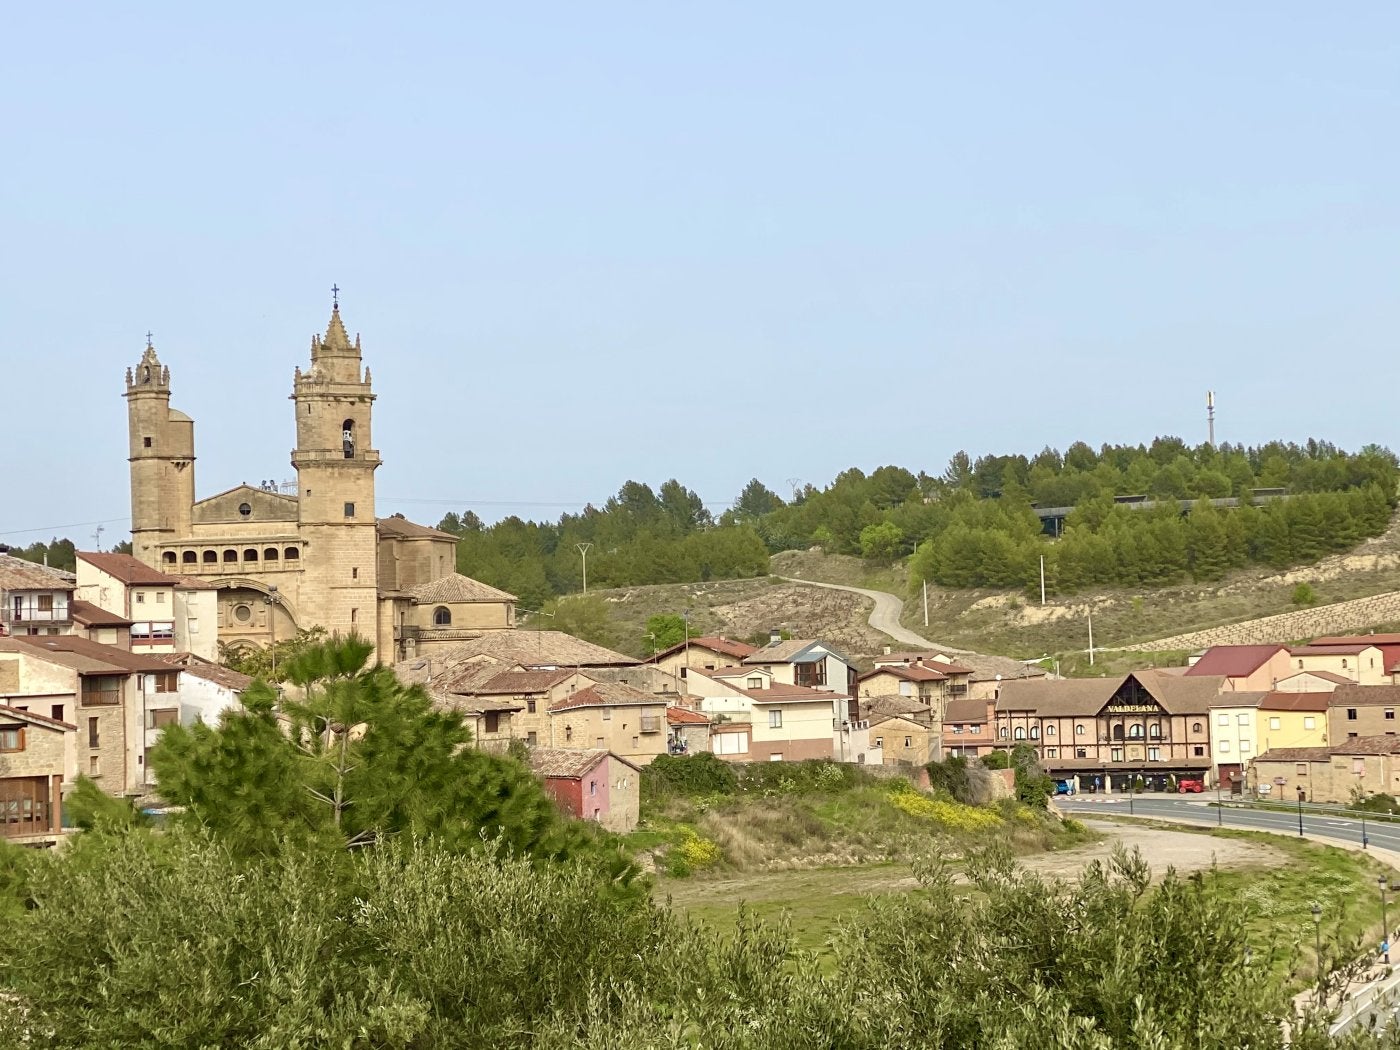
pixel 1091 637
pixel 584 548
pixel 1210 417
pixel 1042 582
pixel 926 603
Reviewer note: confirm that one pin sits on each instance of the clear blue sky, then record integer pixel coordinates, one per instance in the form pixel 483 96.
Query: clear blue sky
pixel 591 242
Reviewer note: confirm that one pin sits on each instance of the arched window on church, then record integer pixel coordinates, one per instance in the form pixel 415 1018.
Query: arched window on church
pixel 210 557
pixel 442 616
pixel 291 554
pixel 230 555
pixel 251 554
pixel 168 557
pixel 270 554
pixel 347 438
pixel 189 557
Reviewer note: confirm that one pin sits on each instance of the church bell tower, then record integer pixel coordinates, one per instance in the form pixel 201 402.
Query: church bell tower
pixel 335 464
pixel 161 458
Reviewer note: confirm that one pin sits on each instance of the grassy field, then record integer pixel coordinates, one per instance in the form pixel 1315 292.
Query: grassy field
pixel 1274 900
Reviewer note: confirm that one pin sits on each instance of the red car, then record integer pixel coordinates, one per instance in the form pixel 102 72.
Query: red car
pixel 1190 787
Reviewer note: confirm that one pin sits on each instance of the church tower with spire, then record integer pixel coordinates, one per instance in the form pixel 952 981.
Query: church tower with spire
pixel 335 463
pixel 161 457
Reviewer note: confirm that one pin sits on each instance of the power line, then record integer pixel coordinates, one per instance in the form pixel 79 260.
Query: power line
pixel 56 528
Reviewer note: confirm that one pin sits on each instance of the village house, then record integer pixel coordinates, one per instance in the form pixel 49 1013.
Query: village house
pixel 969 728
pixel 1362 711
pixel 1352 768
pixel 34 599
pixel 1311 682
pixel 1245 668
pixel 591 784
pixel 1234 735
pixel 805 662
pixel 909 680
pixel 957 678
pixel 1363 664
pixel 906 730
pixel 207 689
pixel 762 719
pixel 119 702
pixel 1110 732
pixel 35 752
pixel 613 717
pixel 1388 644
pixel 688 731
pixel 164 614
pixel 704 651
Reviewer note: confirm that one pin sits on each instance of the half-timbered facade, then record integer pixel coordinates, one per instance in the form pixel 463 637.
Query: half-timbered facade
pixel 1108 732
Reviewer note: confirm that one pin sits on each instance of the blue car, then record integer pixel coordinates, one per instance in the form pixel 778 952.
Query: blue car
pixel 1064 787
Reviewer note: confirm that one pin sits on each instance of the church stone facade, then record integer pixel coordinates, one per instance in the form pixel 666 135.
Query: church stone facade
pixel 317 558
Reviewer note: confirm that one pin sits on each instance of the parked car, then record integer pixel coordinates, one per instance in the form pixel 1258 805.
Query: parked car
pixel 1064 787
pixel 1190 787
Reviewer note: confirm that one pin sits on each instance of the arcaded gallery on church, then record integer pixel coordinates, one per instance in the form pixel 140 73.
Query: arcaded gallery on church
pixel 282 561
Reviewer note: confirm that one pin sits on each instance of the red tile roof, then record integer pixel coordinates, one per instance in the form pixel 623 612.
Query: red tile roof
pixel 512 683
pixel 29 716
pixel 116 660
pixel 128 569
pixel 715 643
pixel 681 716
pixel 1328 650
pixel 90 615
pixel 909 672
pixel 1358 639
pixel 1281 701
pixel 1233 661
pixel 608 694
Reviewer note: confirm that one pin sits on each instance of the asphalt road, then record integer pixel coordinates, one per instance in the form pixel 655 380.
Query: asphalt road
pixel 1197 810
pixel 885 616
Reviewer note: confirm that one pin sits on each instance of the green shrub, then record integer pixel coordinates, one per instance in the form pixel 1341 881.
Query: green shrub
pixel 951 776
pixel 1303 594
pixel 998 759
pixel 1381 803
pixel 688 775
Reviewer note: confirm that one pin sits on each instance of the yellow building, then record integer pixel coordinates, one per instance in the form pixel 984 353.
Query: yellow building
pixel 312 556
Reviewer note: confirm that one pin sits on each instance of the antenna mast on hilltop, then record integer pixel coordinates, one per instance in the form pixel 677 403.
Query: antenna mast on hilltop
pixel 1210 417
pixel 97 537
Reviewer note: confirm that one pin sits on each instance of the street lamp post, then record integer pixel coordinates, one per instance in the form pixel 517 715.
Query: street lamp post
pixel 1300 812
pixel 1365 841
pixel 1219 805
pixel 1385 922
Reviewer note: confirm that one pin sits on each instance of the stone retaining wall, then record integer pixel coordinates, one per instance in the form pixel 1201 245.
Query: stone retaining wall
pixel 1339 618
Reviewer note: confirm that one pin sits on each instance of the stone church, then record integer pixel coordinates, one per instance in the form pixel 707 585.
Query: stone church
pixel 319 557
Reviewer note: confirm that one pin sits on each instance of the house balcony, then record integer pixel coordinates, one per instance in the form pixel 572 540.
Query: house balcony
pixel 31 617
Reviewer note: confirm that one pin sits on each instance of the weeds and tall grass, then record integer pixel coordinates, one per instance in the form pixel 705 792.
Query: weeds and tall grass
pixel 793 815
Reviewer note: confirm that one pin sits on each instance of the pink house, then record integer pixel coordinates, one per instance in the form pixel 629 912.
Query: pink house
pixel 591 784
pixel 1245 668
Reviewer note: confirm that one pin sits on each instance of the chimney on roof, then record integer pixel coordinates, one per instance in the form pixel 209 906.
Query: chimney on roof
pixel 774 636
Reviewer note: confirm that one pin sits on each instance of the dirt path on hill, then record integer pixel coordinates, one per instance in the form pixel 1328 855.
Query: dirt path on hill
pixel 885 616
